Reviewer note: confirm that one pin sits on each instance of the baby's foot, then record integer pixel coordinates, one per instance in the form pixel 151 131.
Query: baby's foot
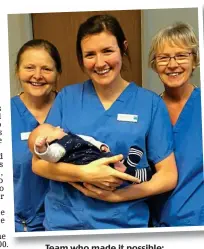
pixel 120 167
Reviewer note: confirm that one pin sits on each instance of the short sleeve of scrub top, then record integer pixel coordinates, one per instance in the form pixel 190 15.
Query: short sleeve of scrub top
pixel 160 134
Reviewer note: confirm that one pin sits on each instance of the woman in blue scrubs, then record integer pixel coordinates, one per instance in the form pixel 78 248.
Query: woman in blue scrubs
pixel 174 55
pixel 38 67
pixel 119 113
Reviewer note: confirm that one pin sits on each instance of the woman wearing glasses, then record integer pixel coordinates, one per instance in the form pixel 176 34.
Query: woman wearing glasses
pixel 174 56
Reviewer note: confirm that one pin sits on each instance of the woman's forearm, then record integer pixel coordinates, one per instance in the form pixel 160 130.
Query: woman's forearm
pixel 164 180
pixel 62 172
pixel 97 172
pixel 153 187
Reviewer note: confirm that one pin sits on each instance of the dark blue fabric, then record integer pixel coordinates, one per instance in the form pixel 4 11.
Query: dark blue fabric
pixel 79 151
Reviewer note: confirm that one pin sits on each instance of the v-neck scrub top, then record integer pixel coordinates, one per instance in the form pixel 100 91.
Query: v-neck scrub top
pixel 185 206
pixel 138 117
pixel 29 189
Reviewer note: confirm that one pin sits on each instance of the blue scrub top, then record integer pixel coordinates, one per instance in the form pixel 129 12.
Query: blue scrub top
pixel 78 109
pixel 29 189
pixel 185 205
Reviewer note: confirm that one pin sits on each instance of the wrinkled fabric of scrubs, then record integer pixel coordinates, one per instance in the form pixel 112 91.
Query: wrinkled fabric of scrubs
pixel 78 109
pixel 185 205
pixel 29 189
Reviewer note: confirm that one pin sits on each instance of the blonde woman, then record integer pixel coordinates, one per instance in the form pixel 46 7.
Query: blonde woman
pixel 174 55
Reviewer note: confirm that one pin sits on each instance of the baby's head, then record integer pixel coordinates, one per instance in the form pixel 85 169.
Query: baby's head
pixel 45 130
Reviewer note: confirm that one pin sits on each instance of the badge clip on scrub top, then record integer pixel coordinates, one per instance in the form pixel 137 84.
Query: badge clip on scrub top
pixel 25 135
pixel 127 118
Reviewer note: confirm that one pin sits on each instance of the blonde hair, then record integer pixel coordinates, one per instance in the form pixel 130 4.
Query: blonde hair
pixel 180 34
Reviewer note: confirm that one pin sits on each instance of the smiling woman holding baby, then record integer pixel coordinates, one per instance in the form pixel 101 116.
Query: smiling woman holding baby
pixel 120 114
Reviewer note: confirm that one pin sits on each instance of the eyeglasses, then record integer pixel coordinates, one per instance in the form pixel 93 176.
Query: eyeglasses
pixel 181 58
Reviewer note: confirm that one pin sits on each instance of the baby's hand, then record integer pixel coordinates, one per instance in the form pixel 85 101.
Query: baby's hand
pixel 40 141
pixel 104 148
pixel 41 144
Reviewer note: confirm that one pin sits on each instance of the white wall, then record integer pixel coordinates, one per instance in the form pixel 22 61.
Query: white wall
pixel 152 21
pixel 19 32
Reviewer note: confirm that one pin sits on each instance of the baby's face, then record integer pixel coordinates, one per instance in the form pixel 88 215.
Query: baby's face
pixel 57 132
